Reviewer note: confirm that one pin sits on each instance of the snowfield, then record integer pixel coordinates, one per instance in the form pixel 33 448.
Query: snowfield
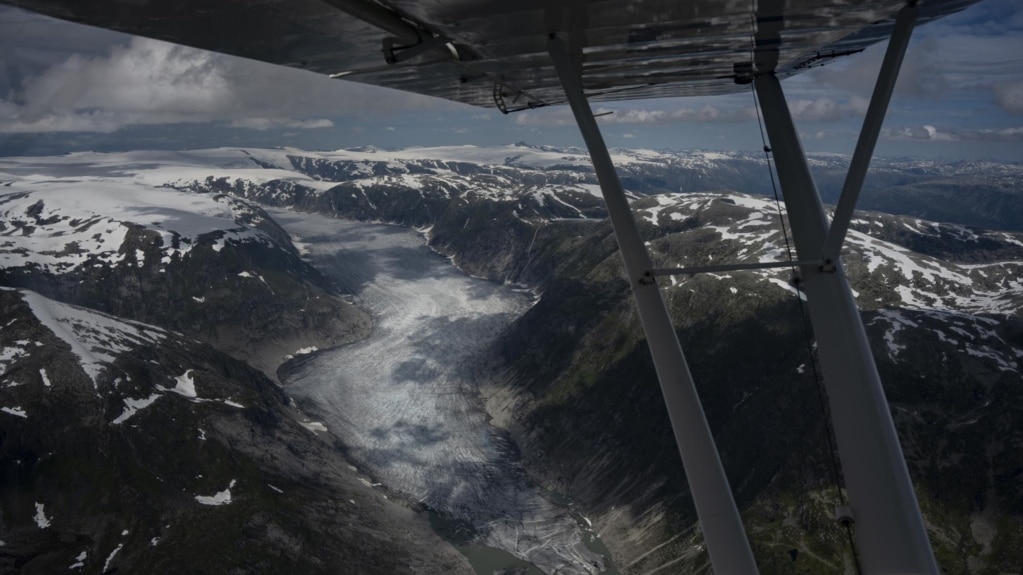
pixel 97 339
pixel 74 214
pixel 958 298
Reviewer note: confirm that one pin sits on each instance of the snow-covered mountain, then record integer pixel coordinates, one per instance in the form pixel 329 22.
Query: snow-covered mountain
pixel 127 447
pixel 178 241
pixel 114 238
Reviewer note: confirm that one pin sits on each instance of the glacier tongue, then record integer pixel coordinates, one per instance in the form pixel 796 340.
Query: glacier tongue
pixel 403 401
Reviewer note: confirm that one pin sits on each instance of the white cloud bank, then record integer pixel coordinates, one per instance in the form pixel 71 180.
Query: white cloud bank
pixel 146 81
pixel 929 133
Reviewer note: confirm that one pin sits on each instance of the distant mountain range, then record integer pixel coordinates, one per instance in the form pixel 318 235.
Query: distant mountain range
pixel 151 416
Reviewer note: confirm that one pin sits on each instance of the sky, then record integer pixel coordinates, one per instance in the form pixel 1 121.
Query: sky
pixel 66 87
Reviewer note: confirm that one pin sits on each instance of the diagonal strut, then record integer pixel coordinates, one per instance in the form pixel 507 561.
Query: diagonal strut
pixel 871 129
pixel 727 545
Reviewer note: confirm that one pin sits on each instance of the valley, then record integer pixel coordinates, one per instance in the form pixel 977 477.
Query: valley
pixel 404 402
pixel 486 400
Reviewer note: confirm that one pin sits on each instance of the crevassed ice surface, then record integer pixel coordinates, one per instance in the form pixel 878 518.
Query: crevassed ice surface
pixel 403 400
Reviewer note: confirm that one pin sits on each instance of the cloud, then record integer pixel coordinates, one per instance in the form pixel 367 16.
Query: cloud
pixel 931 133
pixel 135 81
pixel 998 135
pixel 818 135
pixel 971 57
pixel 556 116
pixel 264 124
pixel 1009 96
pixel 707 113
pixel 924 73
pixel 827 109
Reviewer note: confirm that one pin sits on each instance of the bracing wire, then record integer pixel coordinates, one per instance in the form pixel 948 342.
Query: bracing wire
pixel 808 336
pixel 803 312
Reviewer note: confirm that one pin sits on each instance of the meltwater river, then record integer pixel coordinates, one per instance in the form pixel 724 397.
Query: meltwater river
pixel 403 400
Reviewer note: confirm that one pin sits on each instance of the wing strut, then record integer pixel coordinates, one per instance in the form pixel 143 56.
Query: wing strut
pixel 727 545
pixel 871 129
pixel 890 533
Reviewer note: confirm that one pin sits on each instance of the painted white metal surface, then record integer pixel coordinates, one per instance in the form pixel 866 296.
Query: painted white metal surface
pixel 723 532
pixel 890 533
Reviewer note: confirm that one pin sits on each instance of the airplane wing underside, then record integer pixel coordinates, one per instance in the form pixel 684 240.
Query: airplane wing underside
pixel 494 53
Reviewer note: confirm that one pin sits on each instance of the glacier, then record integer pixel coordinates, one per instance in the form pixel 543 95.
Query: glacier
pixel 404 402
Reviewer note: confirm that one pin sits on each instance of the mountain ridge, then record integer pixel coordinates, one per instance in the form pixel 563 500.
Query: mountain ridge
pixel 940 303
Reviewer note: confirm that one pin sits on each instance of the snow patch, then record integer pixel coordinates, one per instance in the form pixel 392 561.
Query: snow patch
pixel 302 351
pixel 132 406
pixel 96 339
pixel 219 498
pixel 110 558
pixel 897 321
pixel 185 385
pixel 314 426
pixel 42 521
pixel 787 287
pixel 15 411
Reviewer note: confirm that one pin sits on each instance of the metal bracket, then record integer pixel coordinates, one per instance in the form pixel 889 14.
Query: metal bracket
pixel 648 278
pixel 736 267
pixel 844 515
pixel 394 54
pixel 502 104
pixel 743 73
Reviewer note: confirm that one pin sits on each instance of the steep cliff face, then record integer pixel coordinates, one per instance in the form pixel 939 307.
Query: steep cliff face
pixel 129 448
